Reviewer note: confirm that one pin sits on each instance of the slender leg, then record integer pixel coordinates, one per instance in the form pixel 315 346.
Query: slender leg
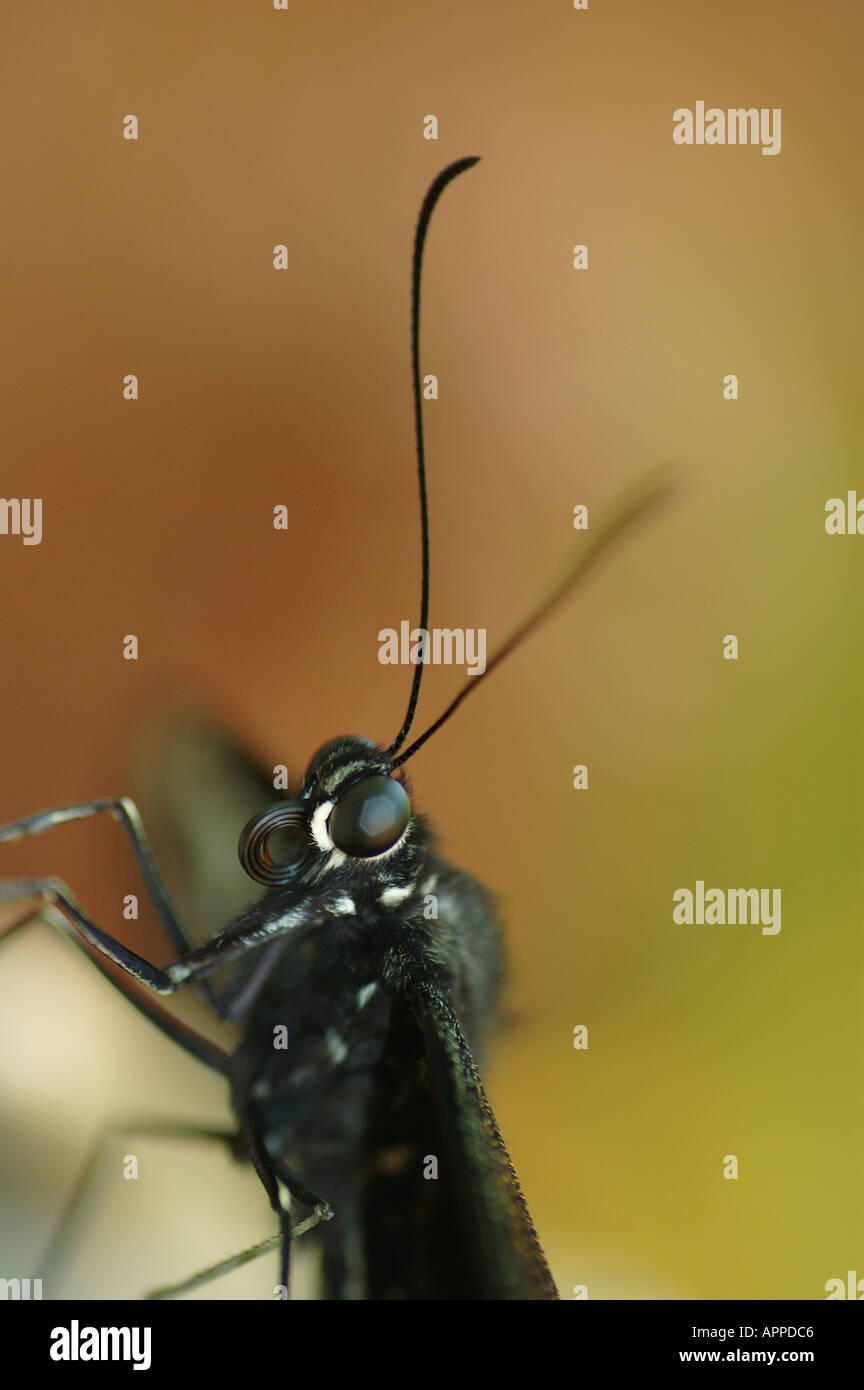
pixel 126 812
pixel 279 1197
pixel 52 891
pixel 190 969
pixel 193 1042
pixel 80 1200
pixel 280 1184
pixel 235 1261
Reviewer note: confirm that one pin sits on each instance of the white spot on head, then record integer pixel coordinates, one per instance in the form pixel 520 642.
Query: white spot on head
pixel 342 907
pixel 396 895
pixel 365 994
pixel 337 1049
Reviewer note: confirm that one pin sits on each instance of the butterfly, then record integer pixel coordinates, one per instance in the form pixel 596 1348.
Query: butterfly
pixel 363 979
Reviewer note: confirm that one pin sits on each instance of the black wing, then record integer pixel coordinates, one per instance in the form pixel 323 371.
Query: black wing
pixel 456 1228
pixel 492 1234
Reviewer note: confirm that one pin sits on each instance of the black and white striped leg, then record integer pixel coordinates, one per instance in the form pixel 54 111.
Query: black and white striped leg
pixel 53 892
pixel 193 1042
pixel 188 970
pixel 124 810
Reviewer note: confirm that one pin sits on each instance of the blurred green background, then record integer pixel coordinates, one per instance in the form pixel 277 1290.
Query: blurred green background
pixel 257 388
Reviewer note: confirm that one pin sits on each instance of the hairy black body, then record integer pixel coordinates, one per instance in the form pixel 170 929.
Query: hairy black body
pixel 334 1075
pixel 360 984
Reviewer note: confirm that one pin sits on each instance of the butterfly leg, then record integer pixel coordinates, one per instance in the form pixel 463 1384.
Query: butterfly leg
pixel 124 810
pixel 190 969
pixel 280 1184
pixel 193 1042
pixel 81 1200
pixel 77 924
pixel 321 1211
pixel 235 1261
pixel 277 1182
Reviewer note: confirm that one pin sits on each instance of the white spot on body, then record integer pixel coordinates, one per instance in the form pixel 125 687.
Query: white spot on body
pixel 365 994
pixel 390 896
pixel 337 1049
pixel 288 919
pixel 342 907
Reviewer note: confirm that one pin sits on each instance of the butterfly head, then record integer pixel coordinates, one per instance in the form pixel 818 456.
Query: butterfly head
pixel 351 807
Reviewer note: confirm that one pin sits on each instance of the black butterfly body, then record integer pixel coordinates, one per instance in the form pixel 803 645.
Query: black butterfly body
pixel 378 999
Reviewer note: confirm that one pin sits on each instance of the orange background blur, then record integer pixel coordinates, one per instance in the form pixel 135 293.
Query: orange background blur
pixel 556 387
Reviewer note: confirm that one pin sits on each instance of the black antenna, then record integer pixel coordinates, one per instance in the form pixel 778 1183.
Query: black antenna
pixel 652 489
pixel 446 176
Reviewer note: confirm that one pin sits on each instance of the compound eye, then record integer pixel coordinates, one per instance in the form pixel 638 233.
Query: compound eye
pixel 370 817
pixel 275 843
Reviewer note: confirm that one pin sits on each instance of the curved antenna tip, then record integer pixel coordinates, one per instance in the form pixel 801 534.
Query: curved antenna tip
pixel 430 202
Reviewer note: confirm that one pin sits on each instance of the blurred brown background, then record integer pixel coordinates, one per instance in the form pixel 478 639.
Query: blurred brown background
pixel 258 388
